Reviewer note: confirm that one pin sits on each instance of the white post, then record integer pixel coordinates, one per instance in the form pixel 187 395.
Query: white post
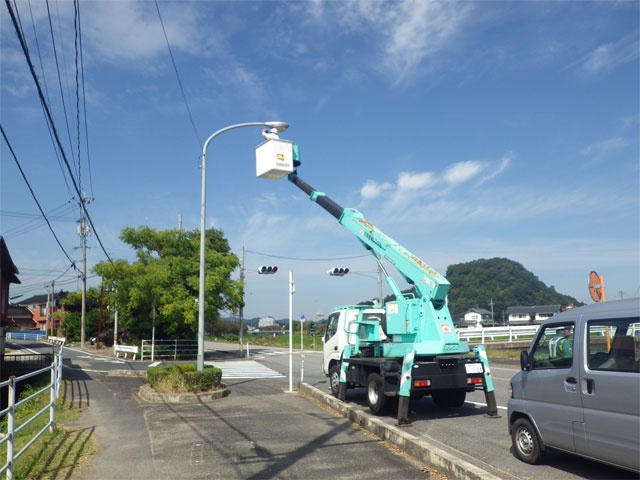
pixel 292 290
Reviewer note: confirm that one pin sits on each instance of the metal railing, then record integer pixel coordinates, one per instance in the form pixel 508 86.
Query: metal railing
pixel 507 333
pixel 9 436
pixel 169 349
pixel 30 336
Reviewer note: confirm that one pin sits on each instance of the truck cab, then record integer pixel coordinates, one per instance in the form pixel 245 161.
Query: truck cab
pixel 340 322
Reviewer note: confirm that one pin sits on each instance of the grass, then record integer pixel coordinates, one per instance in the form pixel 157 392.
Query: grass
pixel 55 455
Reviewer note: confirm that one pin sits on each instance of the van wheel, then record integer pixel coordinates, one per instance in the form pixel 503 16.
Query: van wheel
pixel 375 394
pixel 526 443
pixel 334 379
pixel 449 398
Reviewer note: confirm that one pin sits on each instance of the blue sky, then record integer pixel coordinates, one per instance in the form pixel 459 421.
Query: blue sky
pixel 463 130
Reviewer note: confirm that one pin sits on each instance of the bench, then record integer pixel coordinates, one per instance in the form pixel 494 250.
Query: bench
pixel 126 349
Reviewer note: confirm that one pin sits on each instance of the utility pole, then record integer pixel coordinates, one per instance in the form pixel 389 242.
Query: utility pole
pixel 83 231
pixel 241 310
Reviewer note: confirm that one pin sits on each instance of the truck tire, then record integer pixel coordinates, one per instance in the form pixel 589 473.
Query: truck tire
pixel 334 379
pixel 449 398
pixel 375 394
pixel 525 441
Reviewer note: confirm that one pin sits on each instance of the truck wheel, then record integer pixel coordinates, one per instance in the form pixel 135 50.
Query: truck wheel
pixel 375 394
pixel 334 379
pixel 525 441
pixel 449 398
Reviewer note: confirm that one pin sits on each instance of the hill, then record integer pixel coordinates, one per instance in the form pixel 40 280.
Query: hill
pixel 503 281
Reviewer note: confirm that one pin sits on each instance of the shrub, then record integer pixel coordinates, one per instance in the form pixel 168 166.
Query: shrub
pixel 183 378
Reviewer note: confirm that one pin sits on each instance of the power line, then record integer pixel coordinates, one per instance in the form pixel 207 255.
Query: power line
pixel 50 119
pixel 175 69
pixel 4 135
pixel 326 259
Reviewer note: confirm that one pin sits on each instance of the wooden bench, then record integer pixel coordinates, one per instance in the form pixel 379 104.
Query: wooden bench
pixel 126 350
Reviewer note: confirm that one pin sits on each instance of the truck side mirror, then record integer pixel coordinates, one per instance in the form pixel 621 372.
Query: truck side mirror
pixel 525 360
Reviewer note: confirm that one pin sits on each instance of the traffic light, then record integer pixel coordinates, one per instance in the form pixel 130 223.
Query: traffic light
pixel 267 269
pixel 338 271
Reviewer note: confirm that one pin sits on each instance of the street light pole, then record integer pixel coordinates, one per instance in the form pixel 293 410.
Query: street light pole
pixel 280 127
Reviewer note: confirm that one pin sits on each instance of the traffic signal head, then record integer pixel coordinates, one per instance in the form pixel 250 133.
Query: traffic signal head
pixel 267 269
pixel 338 271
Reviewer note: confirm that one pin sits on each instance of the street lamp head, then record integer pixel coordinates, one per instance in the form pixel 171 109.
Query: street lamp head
pixel 279 126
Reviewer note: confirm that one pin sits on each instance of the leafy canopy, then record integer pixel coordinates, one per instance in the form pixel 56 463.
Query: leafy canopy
pixel 165 278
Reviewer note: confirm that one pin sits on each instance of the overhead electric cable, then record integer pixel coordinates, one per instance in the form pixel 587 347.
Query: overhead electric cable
pixel 175 69
pixel 50 118
pixel 62 97
pixel 24 177
pixel 326 259
pixel 84 98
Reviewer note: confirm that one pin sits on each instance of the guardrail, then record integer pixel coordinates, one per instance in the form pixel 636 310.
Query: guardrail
pixel 502 333
pixel 172 349
pixel 30 336
pixel 12 430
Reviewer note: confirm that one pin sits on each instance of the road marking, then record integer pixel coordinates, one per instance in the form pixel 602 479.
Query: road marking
pixel 245 369
pixel 480 404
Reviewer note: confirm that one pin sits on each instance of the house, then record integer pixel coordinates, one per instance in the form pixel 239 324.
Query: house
pixel 20 319
pixel 477 318
pixel 43 311
pixel 8 275
pixel 533 315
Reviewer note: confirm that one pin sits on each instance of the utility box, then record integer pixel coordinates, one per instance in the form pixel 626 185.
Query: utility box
pixel 274 159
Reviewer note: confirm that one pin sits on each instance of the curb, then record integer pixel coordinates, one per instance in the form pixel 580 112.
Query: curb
pixel 434 457
pixel 147 394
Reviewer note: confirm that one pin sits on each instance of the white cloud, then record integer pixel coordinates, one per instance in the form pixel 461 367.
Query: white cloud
pixel 605 147
pixel 409 31
pixel 609 55
pixel 462 171
pixel 372 189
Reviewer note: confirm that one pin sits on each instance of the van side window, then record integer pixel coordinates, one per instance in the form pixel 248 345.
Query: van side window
pixel 554 347
pixel 614 345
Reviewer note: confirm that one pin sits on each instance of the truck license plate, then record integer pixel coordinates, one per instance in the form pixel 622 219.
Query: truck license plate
pixel 473 368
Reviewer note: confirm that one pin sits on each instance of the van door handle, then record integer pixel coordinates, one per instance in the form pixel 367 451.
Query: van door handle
pixel 589 385
pixel 571 384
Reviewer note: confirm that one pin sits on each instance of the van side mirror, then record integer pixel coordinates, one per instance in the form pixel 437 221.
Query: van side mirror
pixel 525 360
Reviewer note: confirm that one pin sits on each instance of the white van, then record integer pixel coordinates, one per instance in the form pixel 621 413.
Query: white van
pixel 579 388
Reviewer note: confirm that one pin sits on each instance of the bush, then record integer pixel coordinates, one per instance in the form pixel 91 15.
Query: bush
pixel 183 378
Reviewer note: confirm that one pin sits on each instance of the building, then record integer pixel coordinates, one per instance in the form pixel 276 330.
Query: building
pixel 477 318
pixel 43 311
pixel 533 315
pixel 20 319
pixel 266 322
pixel 8 275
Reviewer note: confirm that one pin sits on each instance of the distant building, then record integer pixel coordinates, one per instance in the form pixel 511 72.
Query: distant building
pixel 266 322
pixel 533 315
pixel 43 311
pixel 20 319
pixel 477 318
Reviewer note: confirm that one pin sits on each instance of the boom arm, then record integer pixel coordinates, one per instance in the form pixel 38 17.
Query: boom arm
pixel 429 284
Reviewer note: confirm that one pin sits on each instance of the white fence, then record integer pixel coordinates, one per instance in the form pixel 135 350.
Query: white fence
pixel 169 349
pixel 498 333
pixel 12 430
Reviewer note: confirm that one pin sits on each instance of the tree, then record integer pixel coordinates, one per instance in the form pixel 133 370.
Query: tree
pixel 165 278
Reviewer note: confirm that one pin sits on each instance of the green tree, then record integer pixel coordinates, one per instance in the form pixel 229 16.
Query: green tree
pixel 165 279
